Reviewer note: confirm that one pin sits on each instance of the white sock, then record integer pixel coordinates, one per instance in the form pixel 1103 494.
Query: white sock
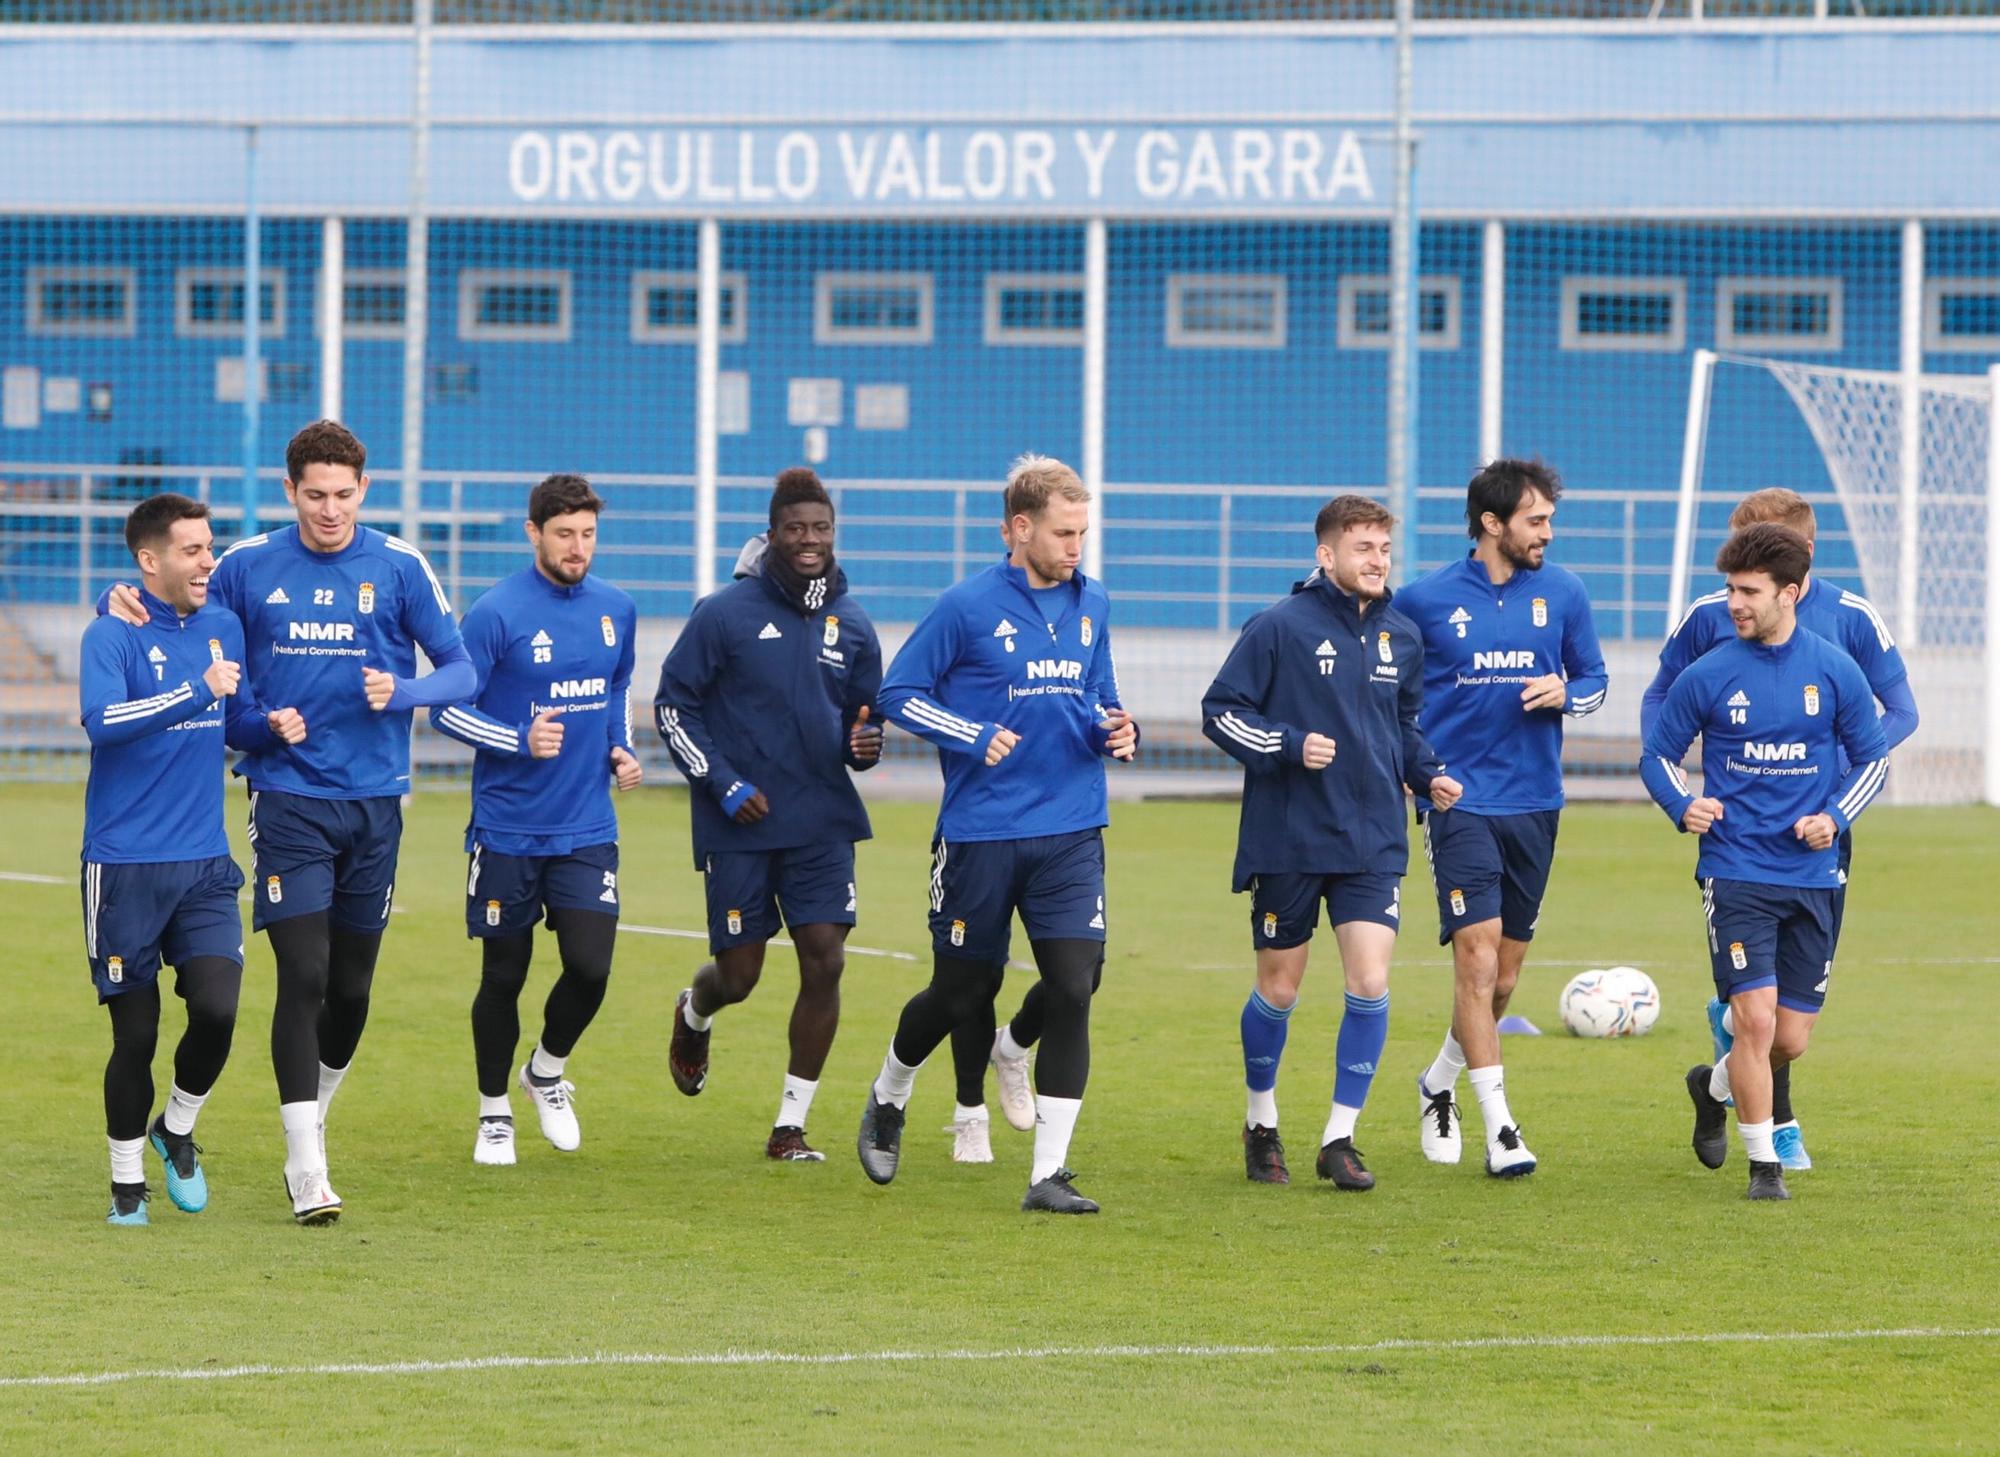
pixel 1757 1141
pixel 1055 1121
pixel 962 1114
pixel 1442 1076
pixel 1729 1020
pixel 894 1082
pixel 545 1064
pixel 1006 1047
pixel 1340 1123
pixel 301 1122
pixel 329 1084
pixel 1263 1110
pixel 1718 1082
pixel 1788 1123
pixel 495 1107
pixel 1490 1088
pixel 182 1109
pixel 128 1162
pixel 695 1021
pixel 796 1103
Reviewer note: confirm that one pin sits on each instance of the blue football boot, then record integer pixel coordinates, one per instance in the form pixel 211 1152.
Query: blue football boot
pixel 1721 1035
pixel 1791 1146
pixel 128 1205
pixel 187 1186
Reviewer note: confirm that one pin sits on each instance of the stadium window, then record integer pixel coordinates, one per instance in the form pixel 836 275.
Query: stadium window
pixel 514 306
pixel 663 308
pixel 1225 311
pixel 372 303
pixel 80 303
pixel 872 308
pixel 208 303
pixel 1624 314
pixel 1788 314
pixel 1962 315
pixel 1364 311
pixel 1034 308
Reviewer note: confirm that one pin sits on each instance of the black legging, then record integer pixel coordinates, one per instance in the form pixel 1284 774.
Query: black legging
pixel 972 1039
pixel 325 975
pixel 584 940
pixel 209 985
pixel 961 992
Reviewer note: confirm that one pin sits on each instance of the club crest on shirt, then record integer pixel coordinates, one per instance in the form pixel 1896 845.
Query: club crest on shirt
pixel 1086 632
pixel 830 634
pixel 1812 700
pixel 610 632
pixel 366 598
pixel 1539 611
pixel 215 650
pixel 1383 649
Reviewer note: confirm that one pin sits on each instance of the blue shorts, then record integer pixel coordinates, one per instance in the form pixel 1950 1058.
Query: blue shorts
pixel 137 916
pixel 1770 935
pixel 1490 867
pixel 1284 909
pixel 324 854
pixel 508 894
pixel 1056 882
pixel 749 890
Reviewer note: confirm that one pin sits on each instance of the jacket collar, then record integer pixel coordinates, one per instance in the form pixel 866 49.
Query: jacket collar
pixel 1322 584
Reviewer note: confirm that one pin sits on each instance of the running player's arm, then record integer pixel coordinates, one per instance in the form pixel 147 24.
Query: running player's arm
pixel 692 667
pixel 246 723
pixel 110 714
pixel 1675 727
pixel 1865 741
pixel 909 689
pixel 485 639
pixel 1232 710
pixel 624 758
pixel 428 620
pixel 1685 644
pixel 864 685
pixel 1583 659
pixel 1107 707
pixel 1421 765
pixel 1882 663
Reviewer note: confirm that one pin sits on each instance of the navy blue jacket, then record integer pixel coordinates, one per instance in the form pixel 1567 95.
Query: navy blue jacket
pixel 986 658
pixel 760 695
pixel 1314 663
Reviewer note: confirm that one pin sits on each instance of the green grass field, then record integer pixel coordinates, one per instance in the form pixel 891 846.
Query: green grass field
pixel 1445 1312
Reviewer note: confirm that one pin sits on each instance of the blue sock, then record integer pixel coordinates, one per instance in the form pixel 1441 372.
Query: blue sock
pixel 1263 1042
pixel 1364 1032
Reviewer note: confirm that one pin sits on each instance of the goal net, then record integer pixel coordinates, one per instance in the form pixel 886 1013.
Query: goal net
pixel 1901 494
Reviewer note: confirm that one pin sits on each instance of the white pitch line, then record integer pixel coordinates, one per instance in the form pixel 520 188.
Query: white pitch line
pixel 681 935
pixel 1018 1353
pixel 27 879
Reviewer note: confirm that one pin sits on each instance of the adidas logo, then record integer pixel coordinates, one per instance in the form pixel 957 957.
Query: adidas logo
pixel 156 656
pixel 1739 699
pixel 1097 921
pixel 770 631
pixel 1395 910
pixel 541 640
pixel 1459 614
pixel 277 598
pixel 1326 649
pixel 1005 629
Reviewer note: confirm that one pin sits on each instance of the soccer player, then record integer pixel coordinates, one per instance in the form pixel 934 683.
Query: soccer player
pixel 1010 674
pixel 1318 700
pixel 1777 710
pixel 1851 622
pixel 1509 650
pixel 332 612
pixel 551 727
pixel 158 881
pixel 764 702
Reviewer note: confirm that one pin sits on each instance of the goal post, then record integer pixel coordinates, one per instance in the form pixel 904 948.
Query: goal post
pixel 1926 560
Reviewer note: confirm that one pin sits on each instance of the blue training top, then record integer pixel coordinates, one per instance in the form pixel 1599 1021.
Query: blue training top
pixel 157 734
pixel 538 645
pixel 1773 722
pixel 1482 644
pixel 986 657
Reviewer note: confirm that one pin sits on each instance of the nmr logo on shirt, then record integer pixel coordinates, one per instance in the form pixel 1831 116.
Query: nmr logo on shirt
pixel 1524 658
pixel 1769 752
pixel 322 631
pixel 1054 668
pixel 576 687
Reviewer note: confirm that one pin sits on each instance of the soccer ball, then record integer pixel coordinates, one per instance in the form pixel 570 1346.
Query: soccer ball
pixel 1619 1002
